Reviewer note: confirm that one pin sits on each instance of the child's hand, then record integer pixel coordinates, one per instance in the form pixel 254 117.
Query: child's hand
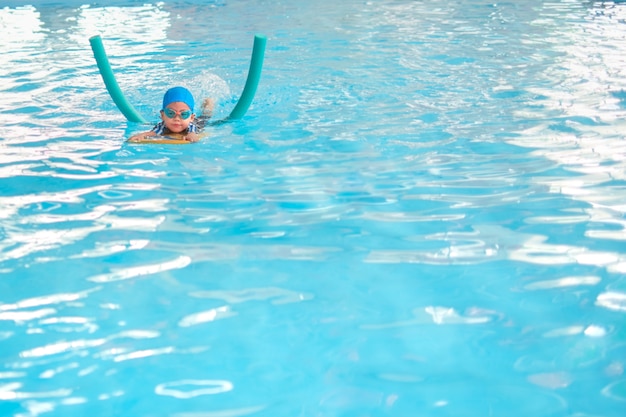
pixel 192 137
pixel 140 136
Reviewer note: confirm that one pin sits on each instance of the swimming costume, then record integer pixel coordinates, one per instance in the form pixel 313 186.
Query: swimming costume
pixel 161 130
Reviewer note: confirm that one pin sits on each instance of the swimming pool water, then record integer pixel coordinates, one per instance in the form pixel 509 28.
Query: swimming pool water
pixel 421 214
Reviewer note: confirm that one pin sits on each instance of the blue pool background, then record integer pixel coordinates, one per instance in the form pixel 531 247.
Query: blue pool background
pixel 422 213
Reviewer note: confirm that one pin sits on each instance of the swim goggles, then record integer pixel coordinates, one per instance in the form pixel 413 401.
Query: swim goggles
pixel 170 114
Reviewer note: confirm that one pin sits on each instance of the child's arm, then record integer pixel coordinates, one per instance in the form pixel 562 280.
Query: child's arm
pixel 140 136
pixel 191 137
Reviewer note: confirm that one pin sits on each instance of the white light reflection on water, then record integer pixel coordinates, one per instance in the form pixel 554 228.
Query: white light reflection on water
pixel 562 282
pixel 580 124
pixel 612 300
pixel 181 389
pixel 128 273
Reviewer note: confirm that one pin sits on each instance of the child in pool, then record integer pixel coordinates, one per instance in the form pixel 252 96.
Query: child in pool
pixel 177 117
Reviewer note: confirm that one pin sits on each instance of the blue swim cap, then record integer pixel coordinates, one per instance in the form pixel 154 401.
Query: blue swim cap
pixel 181 94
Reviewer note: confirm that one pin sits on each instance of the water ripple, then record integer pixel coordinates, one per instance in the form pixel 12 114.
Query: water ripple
pixel 434 315
pixel 134 272
pixel 185 389
pixel 206 316
pixel 612 300
pixel 276 295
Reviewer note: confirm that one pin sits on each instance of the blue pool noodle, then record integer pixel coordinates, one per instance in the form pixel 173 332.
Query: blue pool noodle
pixel 254 75
pixel 249 90
pixel 111 84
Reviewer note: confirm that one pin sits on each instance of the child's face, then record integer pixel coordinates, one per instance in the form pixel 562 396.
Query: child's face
pixel 177 124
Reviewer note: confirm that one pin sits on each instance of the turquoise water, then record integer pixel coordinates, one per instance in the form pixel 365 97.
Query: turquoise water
pixel 421 214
